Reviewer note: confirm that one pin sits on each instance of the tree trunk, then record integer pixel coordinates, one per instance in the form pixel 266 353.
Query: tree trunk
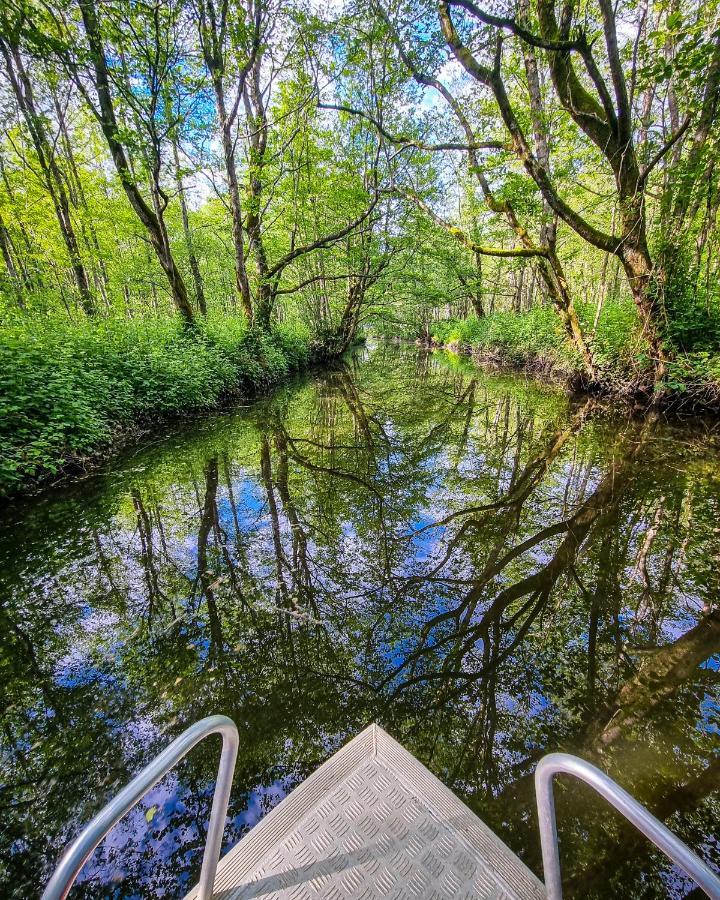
pixel 242 282
pixel 52 176
pixel 709 222
pixel 644 287
pixel 548 228
pixel 194 266
pixel 30 279
pixel 350 318
pixel 79 200
pixel 258 134
pixel 152 221
pixel 476 296
pixel 206 578
pixel 15 279
pixel 660 675
pixel 213 38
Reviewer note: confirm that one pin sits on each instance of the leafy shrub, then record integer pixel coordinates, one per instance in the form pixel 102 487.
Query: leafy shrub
pixel 65 390
pixel 690 302
pixel 698 372
pixel 294 341
pixel 519 337
pixel 618 347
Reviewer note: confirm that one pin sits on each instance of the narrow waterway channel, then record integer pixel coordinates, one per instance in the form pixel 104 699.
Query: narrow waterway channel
pixel 484 567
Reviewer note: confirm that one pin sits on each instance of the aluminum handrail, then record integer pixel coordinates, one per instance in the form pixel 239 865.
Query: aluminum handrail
pixel 82 847
pixel 635 812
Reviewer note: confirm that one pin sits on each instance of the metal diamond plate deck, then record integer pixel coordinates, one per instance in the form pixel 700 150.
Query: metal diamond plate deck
pixel 372 823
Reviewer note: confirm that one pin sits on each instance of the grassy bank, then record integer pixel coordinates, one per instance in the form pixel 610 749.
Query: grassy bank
pixel 69 392
pixel 534 341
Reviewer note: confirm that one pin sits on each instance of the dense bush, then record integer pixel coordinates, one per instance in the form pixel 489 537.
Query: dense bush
pixel 690 302
pixel 518 337
pixel 619 350
pixel 537 336
pixel 66 390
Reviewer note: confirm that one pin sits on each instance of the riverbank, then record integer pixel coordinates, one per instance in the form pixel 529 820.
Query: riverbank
pixel 532 342
pixel 72 395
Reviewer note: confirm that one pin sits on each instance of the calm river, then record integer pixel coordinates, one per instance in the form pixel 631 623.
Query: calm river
pixel 485 568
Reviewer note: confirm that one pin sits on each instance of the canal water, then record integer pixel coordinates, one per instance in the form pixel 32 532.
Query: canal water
pixel 488 569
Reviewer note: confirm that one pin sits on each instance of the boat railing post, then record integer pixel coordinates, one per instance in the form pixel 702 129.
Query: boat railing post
pixel 626 804
pixel 78 852
pixel 548 831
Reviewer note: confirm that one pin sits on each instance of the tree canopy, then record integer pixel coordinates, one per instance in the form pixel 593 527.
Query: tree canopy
pixel 278 158
pixel 528 178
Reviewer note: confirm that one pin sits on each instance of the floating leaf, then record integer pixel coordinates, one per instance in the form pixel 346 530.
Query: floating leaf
pixel 150 813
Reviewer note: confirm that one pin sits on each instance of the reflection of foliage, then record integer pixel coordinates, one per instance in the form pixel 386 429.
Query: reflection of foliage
pixel 484 570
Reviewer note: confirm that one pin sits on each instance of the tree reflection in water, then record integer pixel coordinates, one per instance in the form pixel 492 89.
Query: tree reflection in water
pixel 488 570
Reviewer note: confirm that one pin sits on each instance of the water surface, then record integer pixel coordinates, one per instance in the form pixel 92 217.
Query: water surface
pixel 488 569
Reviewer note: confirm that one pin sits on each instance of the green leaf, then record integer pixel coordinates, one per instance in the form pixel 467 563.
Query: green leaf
pixel 150 813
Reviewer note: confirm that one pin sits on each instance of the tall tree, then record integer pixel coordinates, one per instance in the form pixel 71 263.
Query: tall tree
pixel 542 250
pixel 230 35
pixel 149 27
pixel 187 231
pixel 603 112
pixel 54 179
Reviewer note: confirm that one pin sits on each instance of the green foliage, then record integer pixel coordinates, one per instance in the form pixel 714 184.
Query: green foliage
pixel 519 337
pixel 692 314
pixel 66 390
pixel 68 385
pixel 618 347
pixel 619 350
pixel 295 342
pixel 537 337
pixel 698 372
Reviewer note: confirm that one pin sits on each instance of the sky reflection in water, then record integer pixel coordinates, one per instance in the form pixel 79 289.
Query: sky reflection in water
pixel 485 568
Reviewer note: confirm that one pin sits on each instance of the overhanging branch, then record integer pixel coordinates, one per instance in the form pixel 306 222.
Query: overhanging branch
pixel 464 239
pixel 407 141
pixel 668 145
pixel 512 25
pixel 492 79
pixel 325 241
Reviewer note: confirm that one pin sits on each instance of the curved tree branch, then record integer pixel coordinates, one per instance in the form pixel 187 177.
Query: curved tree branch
pixel 463 238
pixel 668 145
pixel 598 120
pixel 492 78
pixel 322 242
pixel 511 24
pixel 624 112
pixel 407 141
